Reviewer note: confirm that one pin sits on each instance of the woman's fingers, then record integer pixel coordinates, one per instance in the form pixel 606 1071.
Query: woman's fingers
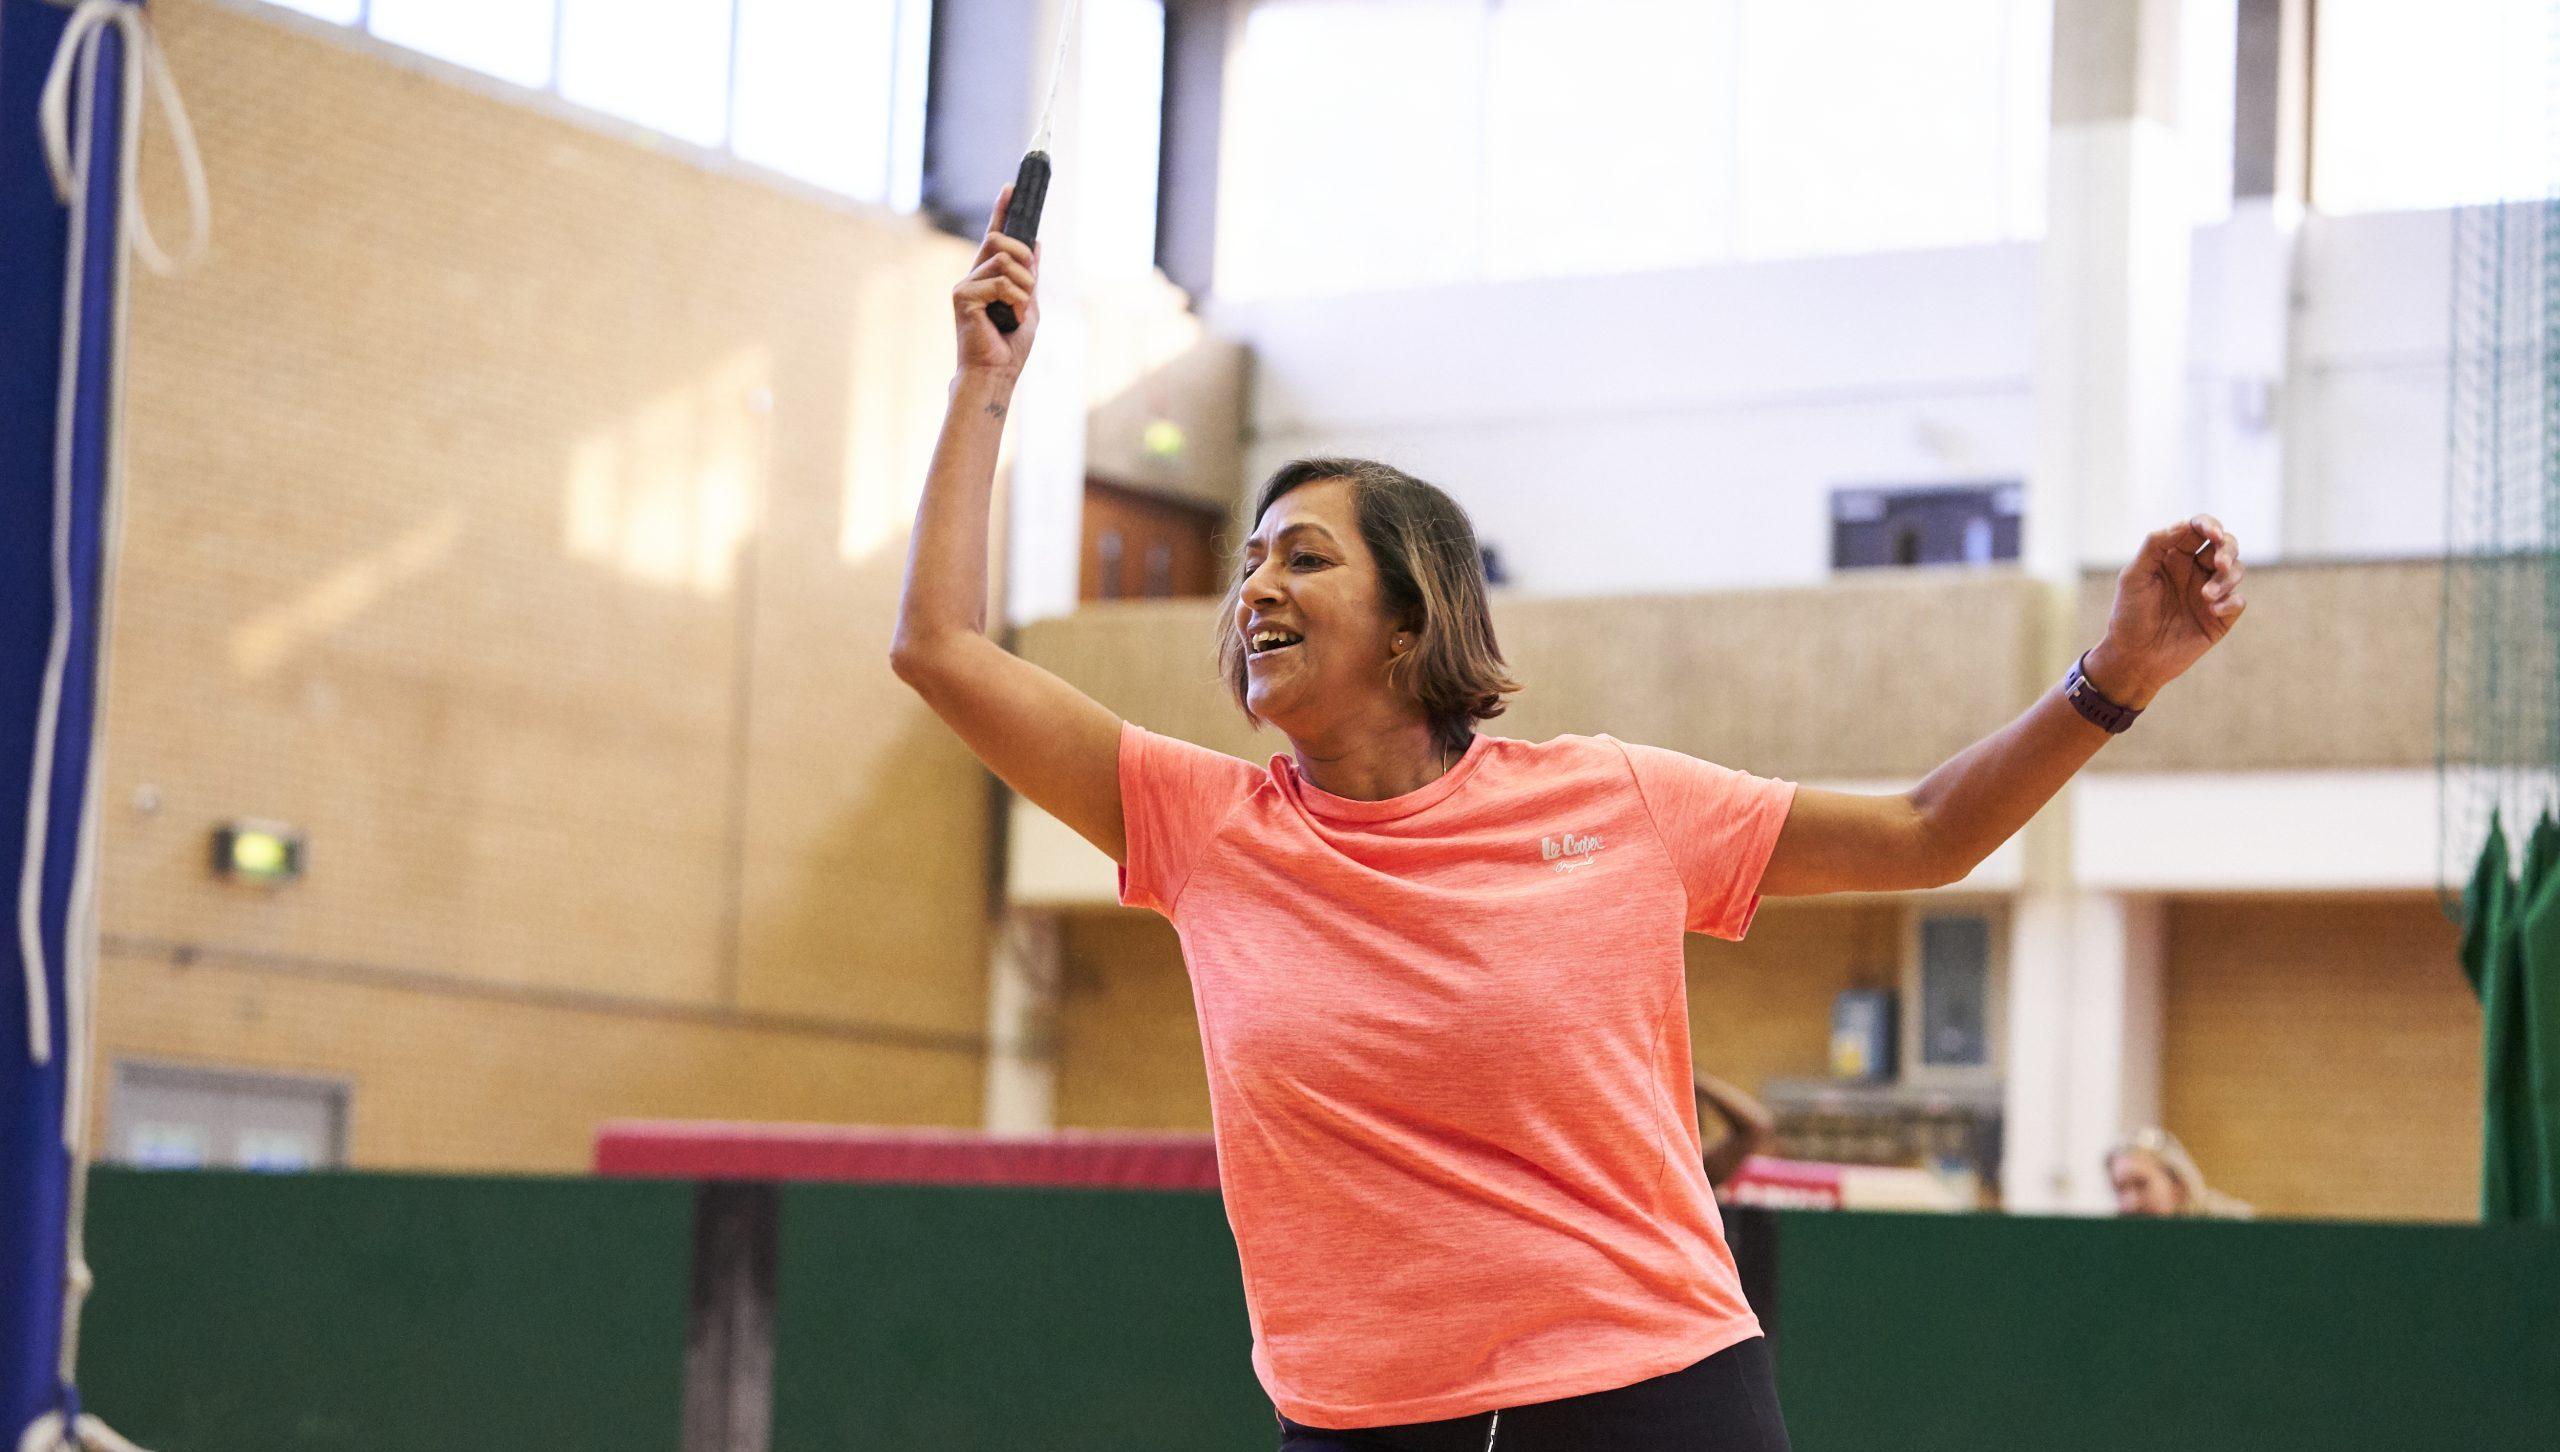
pixel 2213 550
pixel 2218 552
pixel 2225 555
pixel 980 292
pixel 996 240
pixel 1006 271
pixel 998 244
pixel 1005 267
pixel 995 289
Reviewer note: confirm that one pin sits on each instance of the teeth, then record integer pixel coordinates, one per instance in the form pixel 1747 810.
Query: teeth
pixel 1268 639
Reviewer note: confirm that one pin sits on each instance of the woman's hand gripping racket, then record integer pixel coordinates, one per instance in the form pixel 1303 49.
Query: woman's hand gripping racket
pixel 1001 288
pixel 1020 208
pixel 996 308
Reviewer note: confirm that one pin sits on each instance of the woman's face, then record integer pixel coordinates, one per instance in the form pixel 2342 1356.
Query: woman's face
pixel 2144 1186
pixel 1313 613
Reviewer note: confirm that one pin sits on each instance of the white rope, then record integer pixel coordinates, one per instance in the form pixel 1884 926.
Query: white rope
pixel 44 1434
pixel 142 60
pixel 68 159
pixel 69 156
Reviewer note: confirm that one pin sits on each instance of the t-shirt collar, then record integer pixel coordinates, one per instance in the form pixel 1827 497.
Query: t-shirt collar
pixel 1322 803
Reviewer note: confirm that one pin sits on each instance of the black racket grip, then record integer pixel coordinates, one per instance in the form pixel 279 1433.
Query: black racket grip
pixel 1022 222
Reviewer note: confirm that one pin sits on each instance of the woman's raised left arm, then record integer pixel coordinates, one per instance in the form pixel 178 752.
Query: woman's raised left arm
pixel 2175 601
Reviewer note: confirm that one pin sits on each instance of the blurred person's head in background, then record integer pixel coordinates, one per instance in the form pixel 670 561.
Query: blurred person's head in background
pixel 2154 1175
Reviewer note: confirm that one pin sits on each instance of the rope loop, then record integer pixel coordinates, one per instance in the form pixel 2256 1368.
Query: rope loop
pixel 143 60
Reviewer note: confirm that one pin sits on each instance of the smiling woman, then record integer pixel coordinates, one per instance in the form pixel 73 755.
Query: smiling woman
pixel 1449 1062
pixel 1426 585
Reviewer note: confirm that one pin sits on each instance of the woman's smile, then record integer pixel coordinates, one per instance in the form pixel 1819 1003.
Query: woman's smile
pixel 1264 638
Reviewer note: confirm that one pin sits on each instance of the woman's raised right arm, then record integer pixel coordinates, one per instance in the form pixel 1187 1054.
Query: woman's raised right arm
pixel 1049 741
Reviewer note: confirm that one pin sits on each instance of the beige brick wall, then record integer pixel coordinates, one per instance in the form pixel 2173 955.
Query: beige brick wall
pixel 1128 1040
pixel 2322 1056
pixel 519 510
pixel 492 1079
pixel 1760 1009
pixel 2334 669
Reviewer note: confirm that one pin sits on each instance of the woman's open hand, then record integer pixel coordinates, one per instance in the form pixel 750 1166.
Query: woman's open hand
pixel 1007 271
pixel 2177 599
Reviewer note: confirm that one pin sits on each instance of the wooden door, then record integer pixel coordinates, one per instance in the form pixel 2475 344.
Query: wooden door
pixel 1142 546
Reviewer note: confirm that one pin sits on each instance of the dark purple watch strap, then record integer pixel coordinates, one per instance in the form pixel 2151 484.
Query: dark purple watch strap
pixel 2086 699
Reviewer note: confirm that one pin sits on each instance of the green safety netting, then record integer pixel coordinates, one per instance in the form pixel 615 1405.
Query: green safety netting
pixel 2498 699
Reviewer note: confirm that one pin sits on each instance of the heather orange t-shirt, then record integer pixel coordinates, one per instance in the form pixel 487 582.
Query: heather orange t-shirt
pixel 1448 1054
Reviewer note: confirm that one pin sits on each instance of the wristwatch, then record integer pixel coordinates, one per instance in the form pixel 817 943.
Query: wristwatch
pixel 2085 698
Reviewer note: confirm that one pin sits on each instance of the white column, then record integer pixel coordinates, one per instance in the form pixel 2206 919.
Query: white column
pixel 1022 1024
pixel 2111 463
pixel 2111 344
pixel 2084 1044
pixel 2272 164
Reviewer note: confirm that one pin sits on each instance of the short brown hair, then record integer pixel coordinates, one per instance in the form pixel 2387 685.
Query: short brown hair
pixel 1434 576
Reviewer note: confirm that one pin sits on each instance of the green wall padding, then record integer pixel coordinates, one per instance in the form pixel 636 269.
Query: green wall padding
pixel 962 1319
pixel 387 1313
pixel 390 1313
pixel 1982 1333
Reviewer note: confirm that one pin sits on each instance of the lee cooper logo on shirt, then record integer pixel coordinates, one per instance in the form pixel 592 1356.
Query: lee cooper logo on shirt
pixel 1569 851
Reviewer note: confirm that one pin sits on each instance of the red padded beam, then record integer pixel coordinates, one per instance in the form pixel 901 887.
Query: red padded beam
pixel 709 1150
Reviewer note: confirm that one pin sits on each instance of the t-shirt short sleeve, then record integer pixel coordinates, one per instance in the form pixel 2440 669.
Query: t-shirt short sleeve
pixel 1719 825
pixel 1173 797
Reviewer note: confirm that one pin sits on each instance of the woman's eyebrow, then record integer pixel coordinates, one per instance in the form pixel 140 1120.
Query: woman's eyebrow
pixel 1256 542
pixel 1304 526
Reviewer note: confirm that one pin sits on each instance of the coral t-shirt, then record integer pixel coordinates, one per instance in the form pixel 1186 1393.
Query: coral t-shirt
pixel 1448 1051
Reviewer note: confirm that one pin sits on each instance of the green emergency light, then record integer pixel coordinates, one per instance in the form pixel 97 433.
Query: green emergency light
pixel 266 854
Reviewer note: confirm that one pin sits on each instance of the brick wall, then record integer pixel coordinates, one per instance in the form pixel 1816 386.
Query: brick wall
pixel 2322 1056
pixel 519 510
pixel 1760 1009
pixel 1128 1039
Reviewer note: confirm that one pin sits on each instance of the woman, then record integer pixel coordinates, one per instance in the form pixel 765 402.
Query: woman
pixel 1439 975
pixel 2153 1175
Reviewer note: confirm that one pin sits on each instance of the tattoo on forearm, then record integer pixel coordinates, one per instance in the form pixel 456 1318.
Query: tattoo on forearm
pixel 994 409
